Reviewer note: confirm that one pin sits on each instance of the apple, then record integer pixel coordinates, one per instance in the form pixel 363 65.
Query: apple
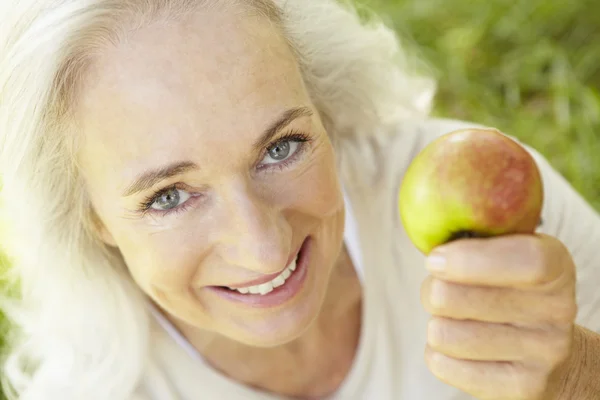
pixel 470 183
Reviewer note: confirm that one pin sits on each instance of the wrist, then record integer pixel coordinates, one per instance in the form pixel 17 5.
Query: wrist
pixel 576 378
pixel 564 382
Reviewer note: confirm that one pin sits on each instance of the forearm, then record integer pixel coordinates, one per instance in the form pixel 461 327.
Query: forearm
pixel 581 378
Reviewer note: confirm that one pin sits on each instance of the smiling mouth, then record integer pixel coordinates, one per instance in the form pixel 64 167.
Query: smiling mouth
pixel 268 287
pixel 271 290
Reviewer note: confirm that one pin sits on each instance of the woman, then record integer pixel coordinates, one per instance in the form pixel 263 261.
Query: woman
pixel 202 202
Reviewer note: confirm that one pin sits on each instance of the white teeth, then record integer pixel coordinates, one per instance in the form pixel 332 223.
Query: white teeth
pixel 265 288
pixel 278 281
pixel 268 287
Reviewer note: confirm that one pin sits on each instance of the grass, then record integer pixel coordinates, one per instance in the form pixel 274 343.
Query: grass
pixel 531 68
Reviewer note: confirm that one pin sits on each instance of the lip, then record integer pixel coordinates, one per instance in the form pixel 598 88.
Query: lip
pixel 270 277
pixel 279 295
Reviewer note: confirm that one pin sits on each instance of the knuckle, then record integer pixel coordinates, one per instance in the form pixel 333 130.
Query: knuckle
pixel 564 311
pixel 440 297
pixel 560 348
pixel 434 362
pixel 437 333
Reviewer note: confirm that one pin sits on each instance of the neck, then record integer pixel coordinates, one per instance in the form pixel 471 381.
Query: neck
pixel 312 366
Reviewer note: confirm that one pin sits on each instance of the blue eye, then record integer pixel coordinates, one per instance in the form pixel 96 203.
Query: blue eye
pixel 281 151
pixel 279 154
pixel 170 199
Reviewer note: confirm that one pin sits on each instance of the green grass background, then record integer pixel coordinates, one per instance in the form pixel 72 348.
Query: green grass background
pixel 528 67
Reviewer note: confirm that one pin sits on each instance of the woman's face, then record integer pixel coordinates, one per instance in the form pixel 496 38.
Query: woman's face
pixel 210 169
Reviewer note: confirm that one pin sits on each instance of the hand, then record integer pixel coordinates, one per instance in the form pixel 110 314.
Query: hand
pixel 503 312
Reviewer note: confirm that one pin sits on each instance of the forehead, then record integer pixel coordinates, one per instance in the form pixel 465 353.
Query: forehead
pixel 215 76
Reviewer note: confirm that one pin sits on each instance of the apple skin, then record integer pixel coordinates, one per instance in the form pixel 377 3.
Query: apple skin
pixel 470 183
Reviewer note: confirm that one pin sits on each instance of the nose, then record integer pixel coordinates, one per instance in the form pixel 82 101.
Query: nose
pixel 255 235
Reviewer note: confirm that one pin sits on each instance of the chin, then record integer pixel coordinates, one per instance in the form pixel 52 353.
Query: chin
pixel 276 333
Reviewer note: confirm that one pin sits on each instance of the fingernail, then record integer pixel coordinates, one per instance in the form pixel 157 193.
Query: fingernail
pixel 436 262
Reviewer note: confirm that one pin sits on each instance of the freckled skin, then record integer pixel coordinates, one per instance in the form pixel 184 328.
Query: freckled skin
pixel 477 182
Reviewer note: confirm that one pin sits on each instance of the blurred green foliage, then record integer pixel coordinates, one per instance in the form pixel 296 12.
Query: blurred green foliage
pixel 530 68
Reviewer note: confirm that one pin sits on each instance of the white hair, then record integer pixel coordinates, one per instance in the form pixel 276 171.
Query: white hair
pixel 80 325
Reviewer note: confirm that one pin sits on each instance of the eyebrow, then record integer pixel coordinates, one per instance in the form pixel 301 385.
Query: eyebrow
pixel 150 178
pixel 286 119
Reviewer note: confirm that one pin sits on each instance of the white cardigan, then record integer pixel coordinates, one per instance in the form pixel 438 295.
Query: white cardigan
pixel 389 363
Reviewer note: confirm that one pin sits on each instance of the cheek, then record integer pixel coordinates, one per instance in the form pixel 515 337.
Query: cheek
pixel 316 190
pixel 160 262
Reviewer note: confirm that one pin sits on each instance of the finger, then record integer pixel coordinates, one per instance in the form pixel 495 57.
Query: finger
pixel 481 341
pixel 509 260
pixel 499 305
pixel 487 380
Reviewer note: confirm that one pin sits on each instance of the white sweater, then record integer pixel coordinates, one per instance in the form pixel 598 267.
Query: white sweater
pixel 389 364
